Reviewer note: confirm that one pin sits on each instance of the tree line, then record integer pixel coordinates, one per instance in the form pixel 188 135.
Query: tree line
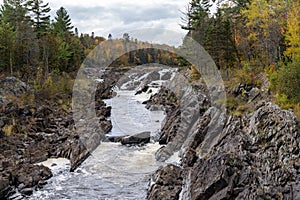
pixel 252 36
pixel 31 42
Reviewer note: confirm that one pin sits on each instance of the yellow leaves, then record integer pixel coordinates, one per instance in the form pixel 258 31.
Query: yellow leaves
pixel 252 36
pixel 272 68
pixel 149 58
pixel 292 35
pixel 262 14
pixel 195 73
pixel 8 129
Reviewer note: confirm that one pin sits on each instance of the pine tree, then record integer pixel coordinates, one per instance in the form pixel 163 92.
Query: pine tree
pixel 62 25
pixel 197 21
pixel 25 46
pixel 41 15
pixel 13 12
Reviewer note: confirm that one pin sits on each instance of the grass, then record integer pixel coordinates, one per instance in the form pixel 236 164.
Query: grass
pixel 8 129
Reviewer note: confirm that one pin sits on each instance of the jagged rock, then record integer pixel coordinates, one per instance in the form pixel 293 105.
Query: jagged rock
pixel 4 186
pixel 166 183
pixel 13 86
pixel 153 76
pixel 143 89
pixel 140 138
pixel 170 127
pixel 26 191
pixel 115 138
pixel 181 118
pixel 253 94
pixel 105 126
pixel 166 76
pixel 255 157
pixel 27 176
pixel 78 154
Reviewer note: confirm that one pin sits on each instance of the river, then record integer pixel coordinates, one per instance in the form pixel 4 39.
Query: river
pixel 113 171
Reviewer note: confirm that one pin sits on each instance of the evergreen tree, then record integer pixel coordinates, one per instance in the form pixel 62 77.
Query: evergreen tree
pixel 41 15
pixel 13 12
pixel 197 21
pixel 62 25
pixel 7 38
pixel 25 46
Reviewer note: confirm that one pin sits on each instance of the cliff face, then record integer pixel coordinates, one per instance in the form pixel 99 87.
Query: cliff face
pixel 255 157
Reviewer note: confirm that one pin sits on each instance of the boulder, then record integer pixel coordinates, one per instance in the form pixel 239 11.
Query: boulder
pixel 26 191
pixel 115 138
pixel 166 76
pixel 143 89
pixel 13 86
pixel 140 138
pixel 166 183
pixel 153 76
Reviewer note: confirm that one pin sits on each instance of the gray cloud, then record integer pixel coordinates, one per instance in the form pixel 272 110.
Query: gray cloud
pixel 117 16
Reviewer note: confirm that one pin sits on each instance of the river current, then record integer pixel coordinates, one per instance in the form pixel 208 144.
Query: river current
pixel 113 171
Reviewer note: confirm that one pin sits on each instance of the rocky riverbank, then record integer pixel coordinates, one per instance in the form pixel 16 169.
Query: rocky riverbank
pixel 32 133
pixel 255 157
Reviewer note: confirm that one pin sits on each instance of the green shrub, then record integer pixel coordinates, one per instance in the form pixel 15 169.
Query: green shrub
pixel 288 81
pixel 283 101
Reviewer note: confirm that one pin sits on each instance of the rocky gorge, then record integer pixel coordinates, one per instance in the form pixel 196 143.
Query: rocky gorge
pixel 255 156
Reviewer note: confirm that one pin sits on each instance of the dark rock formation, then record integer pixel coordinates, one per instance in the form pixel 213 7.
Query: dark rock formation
pixel 22 176
pixel 13 86
pixel 166 76
pixel 153 76
pixel 140 138
pixel 30 134
pixel 143 89
pixel 168 181
pixel 255 157
pixel 183 110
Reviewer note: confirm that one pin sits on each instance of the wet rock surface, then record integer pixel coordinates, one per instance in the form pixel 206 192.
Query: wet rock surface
pixel 141 138
pixel 168 181
pixel 32 133
pixel 255 156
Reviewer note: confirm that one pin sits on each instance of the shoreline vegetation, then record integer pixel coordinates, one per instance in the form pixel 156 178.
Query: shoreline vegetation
pixel 258 57
pixel 247 48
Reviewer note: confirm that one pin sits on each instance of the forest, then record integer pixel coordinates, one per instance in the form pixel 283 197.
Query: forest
pixel 246 38
pixel 249 39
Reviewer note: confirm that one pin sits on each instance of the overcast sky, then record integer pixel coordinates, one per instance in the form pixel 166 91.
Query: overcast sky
pixel 119 16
